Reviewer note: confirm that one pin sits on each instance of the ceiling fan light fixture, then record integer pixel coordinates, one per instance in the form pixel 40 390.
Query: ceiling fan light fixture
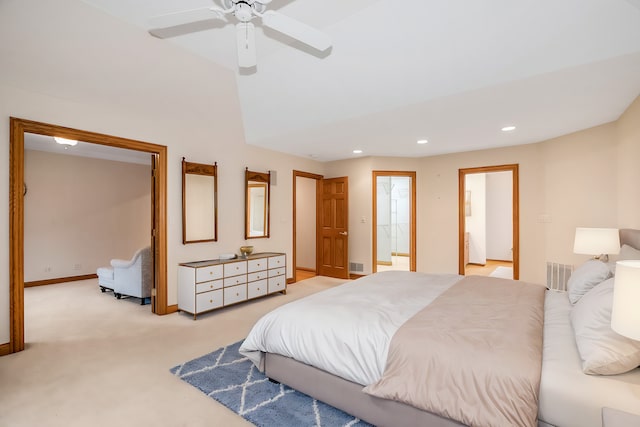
pixel 243 12
pixel 65 141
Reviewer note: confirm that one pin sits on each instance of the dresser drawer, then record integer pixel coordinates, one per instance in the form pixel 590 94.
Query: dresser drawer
pixel 276 284
pixel 256 289
pixel 276 261
pixel 235 268
pixel 259 275
pixel 256 264
pixel 205 274
pixel 209 300
pixel 235 280
pixel 277 272
pixel 235 294
pixel 208 286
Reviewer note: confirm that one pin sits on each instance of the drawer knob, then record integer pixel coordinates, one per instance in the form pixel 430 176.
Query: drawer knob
pixel 258 288
pixel 237 294
pixel 210 300
pixel 211 272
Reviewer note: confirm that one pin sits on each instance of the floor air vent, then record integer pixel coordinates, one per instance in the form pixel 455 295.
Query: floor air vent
pixel 356 267
pixel 558 275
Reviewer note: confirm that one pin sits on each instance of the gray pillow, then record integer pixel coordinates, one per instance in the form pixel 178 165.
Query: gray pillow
pixel 626 252
pixel 586 277
pixel 602 350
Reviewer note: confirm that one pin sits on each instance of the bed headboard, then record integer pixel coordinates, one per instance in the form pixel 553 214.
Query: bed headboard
pixel 630 237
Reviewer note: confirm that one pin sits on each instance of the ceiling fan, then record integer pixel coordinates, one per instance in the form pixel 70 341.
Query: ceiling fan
pixel 244 11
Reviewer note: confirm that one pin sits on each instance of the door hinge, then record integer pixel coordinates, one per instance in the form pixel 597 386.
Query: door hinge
pixel 153 292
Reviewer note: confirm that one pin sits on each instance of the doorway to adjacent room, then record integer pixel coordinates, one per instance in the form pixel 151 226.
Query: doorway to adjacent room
pixel 488 221
pixel 394 221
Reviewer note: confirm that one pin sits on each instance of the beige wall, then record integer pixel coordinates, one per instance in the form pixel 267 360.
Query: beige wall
pixel 306 222
pixel 628 160
pixel 80 213
pixel 584 179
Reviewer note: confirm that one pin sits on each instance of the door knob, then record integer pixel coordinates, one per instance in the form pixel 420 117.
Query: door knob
pixel 343 233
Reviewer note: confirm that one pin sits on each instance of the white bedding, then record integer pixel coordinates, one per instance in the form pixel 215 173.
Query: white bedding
pixel 568 397
pixel 313 324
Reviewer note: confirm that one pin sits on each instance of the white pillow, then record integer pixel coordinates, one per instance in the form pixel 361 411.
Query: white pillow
pixel 603 351
pixel 586 277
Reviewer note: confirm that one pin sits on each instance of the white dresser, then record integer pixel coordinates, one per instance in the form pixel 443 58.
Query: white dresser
pixel 206 285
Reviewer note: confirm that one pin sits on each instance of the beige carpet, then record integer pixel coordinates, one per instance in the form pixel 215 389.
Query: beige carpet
pixel 91 360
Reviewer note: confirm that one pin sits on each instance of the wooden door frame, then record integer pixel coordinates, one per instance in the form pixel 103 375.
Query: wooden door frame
pixel 515 221
pixel 318 179
pixel 374 216
pixel 18 127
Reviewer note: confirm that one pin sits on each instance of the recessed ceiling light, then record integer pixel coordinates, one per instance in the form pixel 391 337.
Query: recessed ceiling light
pixel 65 141
pixel 508 128
pixel 357 151
pixel 422 141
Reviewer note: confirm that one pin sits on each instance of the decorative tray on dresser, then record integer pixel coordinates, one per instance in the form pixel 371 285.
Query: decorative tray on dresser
pixel 206 285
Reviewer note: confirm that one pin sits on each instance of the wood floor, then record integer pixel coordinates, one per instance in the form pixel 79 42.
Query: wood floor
pixel 304 274
pixel 487 269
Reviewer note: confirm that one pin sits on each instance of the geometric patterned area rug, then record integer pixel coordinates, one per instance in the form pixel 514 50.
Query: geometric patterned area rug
pixel 233 380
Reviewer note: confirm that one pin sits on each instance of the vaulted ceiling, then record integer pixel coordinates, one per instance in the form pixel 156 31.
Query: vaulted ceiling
pixel 453 72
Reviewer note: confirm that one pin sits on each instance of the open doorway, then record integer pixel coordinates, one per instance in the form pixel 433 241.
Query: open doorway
pixel 488 221
pixel 331 221
pixel 394 221
pixel 305 230
pixel 158 235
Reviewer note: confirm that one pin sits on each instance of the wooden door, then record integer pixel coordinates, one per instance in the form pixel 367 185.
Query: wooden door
pixel 333 218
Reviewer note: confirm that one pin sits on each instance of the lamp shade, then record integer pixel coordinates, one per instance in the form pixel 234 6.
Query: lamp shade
pixel 625 316
pixel 596 241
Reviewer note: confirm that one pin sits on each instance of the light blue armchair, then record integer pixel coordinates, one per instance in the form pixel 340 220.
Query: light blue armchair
pixel 132 278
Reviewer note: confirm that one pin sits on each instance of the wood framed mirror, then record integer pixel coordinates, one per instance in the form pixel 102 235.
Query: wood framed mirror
pixel 199 202
pixel 257 196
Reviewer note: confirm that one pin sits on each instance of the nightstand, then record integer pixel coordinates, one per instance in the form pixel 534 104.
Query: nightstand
pixel 616 418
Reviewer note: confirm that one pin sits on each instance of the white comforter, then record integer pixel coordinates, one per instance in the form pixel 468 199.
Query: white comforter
pixel 309 330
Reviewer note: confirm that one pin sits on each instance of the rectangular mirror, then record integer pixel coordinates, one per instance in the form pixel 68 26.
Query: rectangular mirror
pixel 199 202
pixel 257 194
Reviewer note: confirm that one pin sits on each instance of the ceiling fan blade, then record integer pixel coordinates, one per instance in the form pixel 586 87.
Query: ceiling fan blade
pixel 246 39
pixel 159 24
pixel 296 29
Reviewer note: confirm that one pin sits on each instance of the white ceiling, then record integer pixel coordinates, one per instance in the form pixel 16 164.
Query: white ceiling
pixel 450 71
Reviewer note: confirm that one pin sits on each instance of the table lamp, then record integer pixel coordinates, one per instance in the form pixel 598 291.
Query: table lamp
pixel 598 242
pixel 625 315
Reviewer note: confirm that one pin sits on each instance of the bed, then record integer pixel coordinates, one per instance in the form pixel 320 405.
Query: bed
pixel 350 363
